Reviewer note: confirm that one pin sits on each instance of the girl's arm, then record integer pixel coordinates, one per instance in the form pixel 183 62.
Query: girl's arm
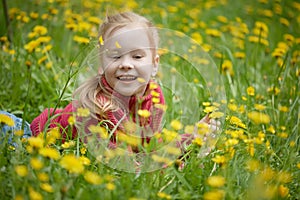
pixel 51 119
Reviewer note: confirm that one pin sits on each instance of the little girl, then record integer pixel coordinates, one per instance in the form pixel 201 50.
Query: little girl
pixel 123 90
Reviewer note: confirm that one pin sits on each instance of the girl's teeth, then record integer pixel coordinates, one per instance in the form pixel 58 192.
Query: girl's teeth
pixel 126 78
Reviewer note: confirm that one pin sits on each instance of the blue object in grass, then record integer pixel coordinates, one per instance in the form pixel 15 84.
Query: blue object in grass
pixel 17 126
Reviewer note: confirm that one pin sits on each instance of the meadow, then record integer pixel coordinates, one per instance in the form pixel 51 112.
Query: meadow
pixel 237 61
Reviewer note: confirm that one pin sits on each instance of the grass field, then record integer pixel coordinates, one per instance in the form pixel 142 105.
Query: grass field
pixel 251 50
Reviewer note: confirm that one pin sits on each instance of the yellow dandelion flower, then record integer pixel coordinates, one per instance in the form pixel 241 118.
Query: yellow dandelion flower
pixel 251 148
pixel 153 86
pixel 218 55
pixel 34 194
pixel 118 45
pixel 141 80
pixel 206 103
pixel 162 51
pixel 161 159
pixel 83 150
pixel 36 163
pixel 176 125
pixel 169 135
pixel 227 67
pixel 283 135
pixel 283 108
pixel 155 94
pixel 72 164
pixel 261 25
pixel 163 195
pixel 231 142
pixel 49 153
pixel 172 150
pixel 251 91
pixel 267 174
pixel 210 109
pixel 42 59
pixel 284 21
pixel 99 130
pixel 19 133
pixel 298 165
pixel 110 186
pixel 33 15
pixel 273 90
pixel 198 141
pixel 239 55
pixel 214 195
pixel 216 181
pixel 40 30
pixel 222 19
pixel 71 120
pixel 43 39
pixel 252 165
pixel 259 107
pixel 130 127
pixel 173 70
pixel 19 197
pixel 81 40
pixel 189 129
pixel 85 160
pixel 289 37
pixel 155 100
pixel 36 142
pixel 213 32
pixel 161 106
pixel 284 177
pixel 21 170
pixel 92 178
pixel 46 187
pixel 232 107
pixel 283 191
pixel 67 145
pixel 292 143
pixel 236 121
pixel 6 120
pixel 94 20
pixel 219 159
pixel 83 112
pixel 144 113
pixel 203 128
pixel 54 132
pixel 258 117
pixel 43 177
pixel 197 37
pixel 131 140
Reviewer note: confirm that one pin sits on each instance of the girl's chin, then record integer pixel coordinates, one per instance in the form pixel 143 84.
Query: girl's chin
pixel 130 91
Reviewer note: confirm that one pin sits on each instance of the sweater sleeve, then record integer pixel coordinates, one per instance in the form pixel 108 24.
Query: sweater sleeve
pixel 51 119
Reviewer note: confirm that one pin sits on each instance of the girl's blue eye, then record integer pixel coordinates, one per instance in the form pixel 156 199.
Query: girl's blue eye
pixel 116 57
pixel 137 56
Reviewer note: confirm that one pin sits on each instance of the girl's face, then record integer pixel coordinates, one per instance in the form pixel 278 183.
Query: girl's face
pixel 129 60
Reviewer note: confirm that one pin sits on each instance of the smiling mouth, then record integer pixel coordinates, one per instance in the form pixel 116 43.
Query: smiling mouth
pixel 126 78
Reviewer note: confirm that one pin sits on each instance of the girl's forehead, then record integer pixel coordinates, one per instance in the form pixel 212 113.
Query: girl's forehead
pixel 128 37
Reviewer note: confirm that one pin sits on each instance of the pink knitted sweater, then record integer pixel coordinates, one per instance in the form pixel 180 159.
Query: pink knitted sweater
pixel 59 117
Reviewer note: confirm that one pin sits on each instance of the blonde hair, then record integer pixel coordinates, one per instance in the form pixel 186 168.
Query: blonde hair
pixel 88 91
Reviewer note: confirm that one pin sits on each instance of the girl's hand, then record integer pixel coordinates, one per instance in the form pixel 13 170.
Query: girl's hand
pixel 208 136
pixel 213 124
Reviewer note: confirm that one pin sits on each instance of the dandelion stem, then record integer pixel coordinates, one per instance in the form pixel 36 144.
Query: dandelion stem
pixel 7 21
pixel 27 96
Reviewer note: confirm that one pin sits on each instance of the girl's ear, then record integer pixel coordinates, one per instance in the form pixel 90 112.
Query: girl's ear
pixel 155 66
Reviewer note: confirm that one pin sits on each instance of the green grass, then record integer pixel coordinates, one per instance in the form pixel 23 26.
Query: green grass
pixel 258 163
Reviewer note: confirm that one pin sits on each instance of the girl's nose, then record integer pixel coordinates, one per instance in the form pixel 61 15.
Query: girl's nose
pixel 126 64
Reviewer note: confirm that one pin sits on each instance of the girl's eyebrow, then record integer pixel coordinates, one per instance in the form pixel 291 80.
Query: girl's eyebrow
pixel 138 51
